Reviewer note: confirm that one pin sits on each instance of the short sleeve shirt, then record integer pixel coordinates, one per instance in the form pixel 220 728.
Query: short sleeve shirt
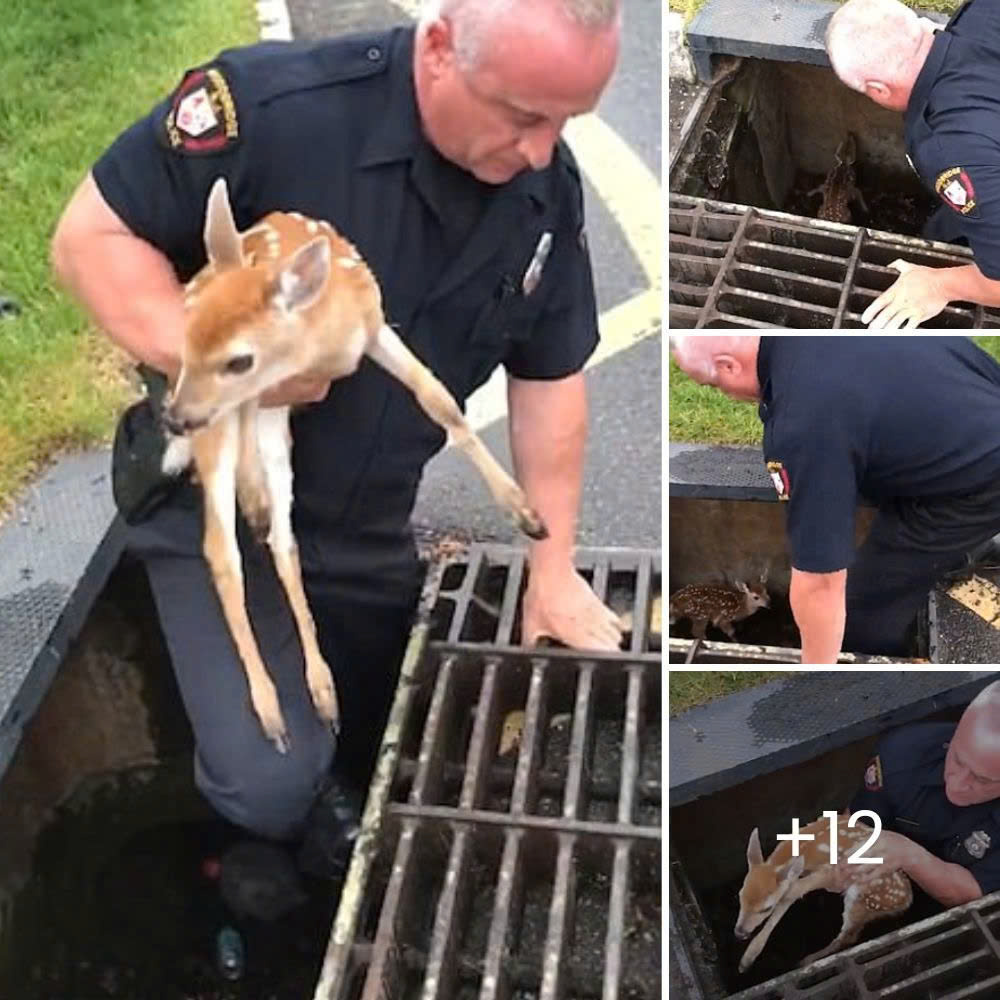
pixel 903 783
pixel 878 417
pixel 332 130
pixel 952 126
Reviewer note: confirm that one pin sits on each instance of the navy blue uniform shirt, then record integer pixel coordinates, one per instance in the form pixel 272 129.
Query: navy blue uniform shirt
pixel 879 417
pixel 952 126
pixel 332 130
pixel 904 784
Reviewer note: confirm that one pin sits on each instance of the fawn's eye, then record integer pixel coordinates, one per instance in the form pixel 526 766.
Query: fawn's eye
pixel 239 364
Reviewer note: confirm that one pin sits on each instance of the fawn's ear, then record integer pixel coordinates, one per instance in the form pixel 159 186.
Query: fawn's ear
pixel 301 281
pixel 793 869
pixel 754 854
pixel 222 241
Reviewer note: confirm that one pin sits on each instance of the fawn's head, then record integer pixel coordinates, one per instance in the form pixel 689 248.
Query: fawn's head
pixel 244 322
pixel 755 593
pixel 763 887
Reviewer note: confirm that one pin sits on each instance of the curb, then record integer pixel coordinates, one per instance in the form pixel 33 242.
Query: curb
pixel 275 24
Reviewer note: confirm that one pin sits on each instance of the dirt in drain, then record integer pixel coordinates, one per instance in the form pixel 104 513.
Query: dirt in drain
pixel 809 925
pixel 136 916
pixel 896 207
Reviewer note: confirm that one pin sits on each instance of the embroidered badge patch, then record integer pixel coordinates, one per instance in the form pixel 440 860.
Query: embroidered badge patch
pixel 202 116
pixel 779 476
pixel 873 775
pixel 955 188
pixel 977 844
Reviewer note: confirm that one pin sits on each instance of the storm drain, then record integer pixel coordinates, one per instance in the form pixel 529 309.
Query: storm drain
pixel 737 266
pixel 947 957
pixel 511 843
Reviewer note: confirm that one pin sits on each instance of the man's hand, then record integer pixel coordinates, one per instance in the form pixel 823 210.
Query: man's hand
pixel 295 390
pixel 916 295
pixel 561 605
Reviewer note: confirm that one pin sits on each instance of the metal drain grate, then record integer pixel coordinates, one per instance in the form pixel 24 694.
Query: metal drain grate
pixel 512 839
pixel 735 266
pixel 953 956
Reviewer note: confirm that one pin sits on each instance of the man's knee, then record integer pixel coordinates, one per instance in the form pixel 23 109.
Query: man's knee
pixel 263 791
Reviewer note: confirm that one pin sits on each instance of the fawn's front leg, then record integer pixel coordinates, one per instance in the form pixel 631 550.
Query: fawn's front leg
pixel 275 444
pixel 816 880
pixel 437 402
pixel 215 452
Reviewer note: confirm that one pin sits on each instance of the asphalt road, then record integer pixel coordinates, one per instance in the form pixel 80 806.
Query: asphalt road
pixel 621 505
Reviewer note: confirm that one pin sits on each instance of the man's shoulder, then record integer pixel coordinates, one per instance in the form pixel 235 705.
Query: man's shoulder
pixel 265 71
pixel 915 745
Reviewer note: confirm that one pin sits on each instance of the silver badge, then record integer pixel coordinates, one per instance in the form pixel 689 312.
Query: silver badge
pixel 534 272
pixel 977 843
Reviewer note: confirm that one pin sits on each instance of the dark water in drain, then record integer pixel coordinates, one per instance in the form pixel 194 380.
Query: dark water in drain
pixel 117 910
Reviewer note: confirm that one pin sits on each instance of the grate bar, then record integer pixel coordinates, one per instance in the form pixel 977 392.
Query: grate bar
pixel 642 607
pixel 615 939
pixel 561 918
pixel 717 284
pixel 430 763
pixel 579 760
pixel 525 792
pixel 548 824
pixel 511 599
pixel 630 746
pixel 479 756
pixel 509 894
pixel 465 593
pixel 452 906
pixel 384 969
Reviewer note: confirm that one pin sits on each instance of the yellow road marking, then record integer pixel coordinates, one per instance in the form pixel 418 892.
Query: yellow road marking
pixel 981 597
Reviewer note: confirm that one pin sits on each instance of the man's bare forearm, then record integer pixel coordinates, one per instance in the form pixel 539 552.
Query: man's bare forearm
pixel 820 613
pixel 548 431
pixel 127 285
pixel 968 284
pixel 949 884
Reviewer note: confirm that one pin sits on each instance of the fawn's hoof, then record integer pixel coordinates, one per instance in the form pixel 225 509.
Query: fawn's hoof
pixel 273 724
pixel 324 699
pixel 532 525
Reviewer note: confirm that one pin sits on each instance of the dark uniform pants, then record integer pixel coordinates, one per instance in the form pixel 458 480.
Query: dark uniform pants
pixel 236 767
pixel 911 544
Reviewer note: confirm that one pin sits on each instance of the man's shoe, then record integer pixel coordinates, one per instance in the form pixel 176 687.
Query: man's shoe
pixel 331 829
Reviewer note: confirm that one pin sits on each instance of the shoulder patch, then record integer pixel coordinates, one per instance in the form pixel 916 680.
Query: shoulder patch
pixel 779 476
pixel 873 774
pixel 954 187
pixel 202 116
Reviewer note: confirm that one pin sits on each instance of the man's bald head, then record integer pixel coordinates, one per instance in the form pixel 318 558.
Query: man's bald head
pixel 972 766
pixel 878 47
pixel 728 363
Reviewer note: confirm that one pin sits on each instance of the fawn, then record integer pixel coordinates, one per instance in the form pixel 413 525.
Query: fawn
pixel 287 297
pixel 771 886
pixel 720 604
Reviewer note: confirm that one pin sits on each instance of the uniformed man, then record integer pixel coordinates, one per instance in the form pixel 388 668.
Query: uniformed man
pixel 908 423
pixel 935 787
pixel 947 82
pixel 436 151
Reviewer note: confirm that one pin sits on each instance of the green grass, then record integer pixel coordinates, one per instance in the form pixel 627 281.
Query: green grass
pixel 687 688
pixel 75 74
pixel 703 414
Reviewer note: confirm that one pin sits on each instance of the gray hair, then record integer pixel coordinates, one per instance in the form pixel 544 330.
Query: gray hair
pixel 872 40
pixel 473 19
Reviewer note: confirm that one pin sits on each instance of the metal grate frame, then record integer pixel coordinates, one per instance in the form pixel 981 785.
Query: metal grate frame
pixel 511 842
pixel 736 266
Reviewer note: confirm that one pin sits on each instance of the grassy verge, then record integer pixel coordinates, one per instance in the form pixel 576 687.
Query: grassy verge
pixel 75 73
pixel 700 413
pixel 688 688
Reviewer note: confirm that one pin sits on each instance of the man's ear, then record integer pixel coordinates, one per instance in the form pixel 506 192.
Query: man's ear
pixel 439 47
